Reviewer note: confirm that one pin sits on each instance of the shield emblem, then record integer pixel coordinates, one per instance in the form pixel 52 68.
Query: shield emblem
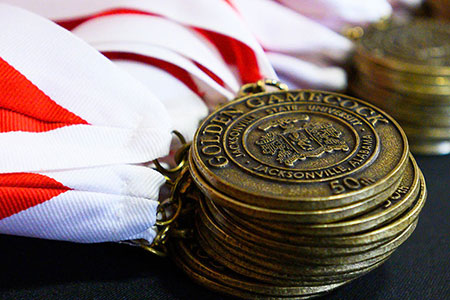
pixel 294 139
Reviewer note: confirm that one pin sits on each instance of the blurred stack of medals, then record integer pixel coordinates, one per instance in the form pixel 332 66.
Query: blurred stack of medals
pixel 405 70
pixel 440 8
pixel 297 193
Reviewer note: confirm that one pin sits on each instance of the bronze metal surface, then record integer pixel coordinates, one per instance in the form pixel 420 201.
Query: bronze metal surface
pixel 307 268
pixel 418 47
pixel 379 234
pixel 377 71
pixel 299 150
pixel 295 193
pixel 396 204
pixel 405 69
pixel 400 106
pixel 257 265
pixel 312 216
pixel 192 259
pixel 219 225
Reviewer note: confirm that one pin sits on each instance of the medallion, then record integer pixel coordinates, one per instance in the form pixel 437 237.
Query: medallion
pixel 300 150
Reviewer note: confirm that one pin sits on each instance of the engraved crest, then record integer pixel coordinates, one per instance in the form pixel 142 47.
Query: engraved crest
pixel 293 139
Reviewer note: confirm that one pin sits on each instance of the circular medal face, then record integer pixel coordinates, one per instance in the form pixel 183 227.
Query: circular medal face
pixel 299 150
pixel 418 47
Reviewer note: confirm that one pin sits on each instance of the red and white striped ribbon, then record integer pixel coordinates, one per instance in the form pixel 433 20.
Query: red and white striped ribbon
pixel 301 38
pixel 75 130
pixel 215 20
pixel 203 44
pixel 76 172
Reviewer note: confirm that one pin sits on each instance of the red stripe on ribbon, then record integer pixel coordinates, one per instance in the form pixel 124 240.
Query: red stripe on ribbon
pixel 236 53
pixel 210 74
pixel 172 69
pixel 72 23
pixel 231 4
pixel 20 191
pixel 13 121
pixel 24 107
pixel 233 51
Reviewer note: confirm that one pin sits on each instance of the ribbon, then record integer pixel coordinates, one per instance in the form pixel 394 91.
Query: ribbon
pixel 84 179
pixel 216 20
pixel 337 14
pixel 306 31
pixel 120 35
pixel 205 45
pixel 75 130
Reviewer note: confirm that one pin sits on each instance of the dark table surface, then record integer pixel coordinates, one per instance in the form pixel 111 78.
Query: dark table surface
pixel 39 269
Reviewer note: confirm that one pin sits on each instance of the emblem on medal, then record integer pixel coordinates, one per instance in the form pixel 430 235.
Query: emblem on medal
pixel 295 143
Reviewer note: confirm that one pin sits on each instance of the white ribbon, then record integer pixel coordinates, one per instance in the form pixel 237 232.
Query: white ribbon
pixel 104 195
pixel 185 107
pixel 127 123
pixel 337 14
pixel 213 15
pixel 283 30
pixel 129 29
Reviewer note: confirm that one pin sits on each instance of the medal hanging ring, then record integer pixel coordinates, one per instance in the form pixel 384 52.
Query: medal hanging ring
pixel 260 87
pixel 170 208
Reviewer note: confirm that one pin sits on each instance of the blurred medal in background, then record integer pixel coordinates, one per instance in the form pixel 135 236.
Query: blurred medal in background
pixel 405 69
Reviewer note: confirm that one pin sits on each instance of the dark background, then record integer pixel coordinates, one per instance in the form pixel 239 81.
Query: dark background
pixel 39 269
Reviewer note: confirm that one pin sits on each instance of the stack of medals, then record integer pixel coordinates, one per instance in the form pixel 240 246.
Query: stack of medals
pixel 440 8
pixel 297 193
pixel 405 70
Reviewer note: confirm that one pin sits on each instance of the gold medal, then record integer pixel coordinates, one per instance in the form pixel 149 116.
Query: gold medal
pixel 299 150
pixel 290 194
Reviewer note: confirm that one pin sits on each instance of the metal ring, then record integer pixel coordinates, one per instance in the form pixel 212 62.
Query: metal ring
pixel 179 166
pixel 154 251
pixel 250 88
pixel 173 194
pixel 260 86
pixel 174 216
pixel 272 82
pixel 158 241
pixel 165 171
pixel 179 136
pixel 161 237
pixel 180 155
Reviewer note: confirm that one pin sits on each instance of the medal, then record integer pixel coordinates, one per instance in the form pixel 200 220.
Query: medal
pixel 404 70
pixel 291 193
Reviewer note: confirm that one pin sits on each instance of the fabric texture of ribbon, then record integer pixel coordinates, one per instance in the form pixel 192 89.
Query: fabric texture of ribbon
pixel 75 131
